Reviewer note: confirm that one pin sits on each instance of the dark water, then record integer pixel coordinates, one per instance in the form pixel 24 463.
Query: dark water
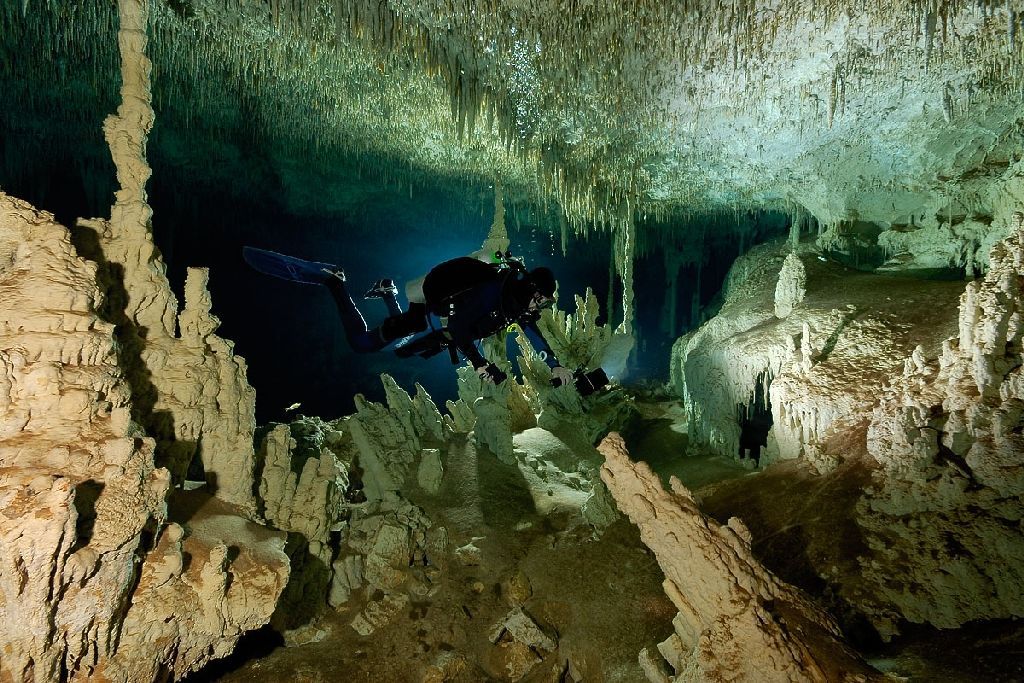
pixel 220 184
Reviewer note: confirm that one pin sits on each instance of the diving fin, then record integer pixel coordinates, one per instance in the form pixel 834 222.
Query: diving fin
pixel 288 267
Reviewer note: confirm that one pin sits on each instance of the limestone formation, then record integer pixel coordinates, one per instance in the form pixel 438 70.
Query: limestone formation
pixel 389 550
pixel 521 644
pixel 79 487
pixel 430 471
pixel 85 591
pixel 84 499
pixel 792 285
pixel 947 435
pixel 387 438
pixel 929 397
pixel 737 621
pixel 190 391
pixel 304 478
pixel 721 365
pixel 563 478
pixel 302 490
pixel 141 533
pixel 185 614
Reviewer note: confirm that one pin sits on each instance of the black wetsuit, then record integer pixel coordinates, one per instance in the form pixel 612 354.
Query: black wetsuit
pixel 467 300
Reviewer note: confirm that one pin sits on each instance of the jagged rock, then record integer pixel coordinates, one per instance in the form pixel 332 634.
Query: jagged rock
pixel 577 340
pixel 427 419
pixel 563 478
pixel 348 577
pixel 520 645
pixel 389 558
pixel 388 438
pixel 656 669
pixel 437 543
pixel 460 418
pixel 430 471
pixel 302 491
pixel 308 502
pixel 181 619
pixel 191 392
pixel 81 497
pixel 518 626
pixel 197 400
pixel 395 541
pixel 737 621
pixel 943 514
pixel 79 491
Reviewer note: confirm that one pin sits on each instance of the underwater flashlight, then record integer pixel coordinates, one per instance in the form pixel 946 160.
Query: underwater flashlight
pixel 586 382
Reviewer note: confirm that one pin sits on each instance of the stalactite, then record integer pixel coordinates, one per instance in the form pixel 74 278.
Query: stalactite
pixel 334 66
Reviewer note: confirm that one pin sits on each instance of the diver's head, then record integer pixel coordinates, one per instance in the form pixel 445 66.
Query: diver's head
pixel 542 287
pixel 533 290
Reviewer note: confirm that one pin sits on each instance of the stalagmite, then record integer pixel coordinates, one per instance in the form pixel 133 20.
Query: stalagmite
pixel 73 457
pixel 190 392
pixel 946 433
pixel 128 239
pixel 791 287
pixel 736 621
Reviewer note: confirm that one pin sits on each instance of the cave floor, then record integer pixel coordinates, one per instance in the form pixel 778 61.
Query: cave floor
pixel 804 531
pixel 601 597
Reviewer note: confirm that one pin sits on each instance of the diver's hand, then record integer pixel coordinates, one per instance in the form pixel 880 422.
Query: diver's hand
pixel 561 376
pixel 491 374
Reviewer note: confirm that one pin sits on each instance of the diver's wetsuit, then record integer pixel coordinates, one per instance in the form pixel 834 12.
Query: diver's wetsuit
pixel 488 309
pixel 474 313
pixel 364 340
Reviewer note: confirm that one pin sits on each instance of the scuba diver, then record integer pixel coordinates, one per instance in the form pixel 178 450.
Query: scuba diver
pixel 462 301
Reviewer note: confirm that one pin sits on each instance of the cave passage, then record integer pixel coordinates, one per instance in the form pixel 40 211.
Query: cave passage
pixel 755 420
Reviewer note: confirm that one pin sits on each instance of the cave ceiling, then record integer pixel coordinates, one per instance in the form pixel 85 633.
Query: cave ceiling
pixel 606 111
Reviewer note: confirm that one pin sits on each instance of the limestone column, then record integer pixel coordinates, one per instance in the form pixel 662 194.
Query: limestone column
pixel 128 239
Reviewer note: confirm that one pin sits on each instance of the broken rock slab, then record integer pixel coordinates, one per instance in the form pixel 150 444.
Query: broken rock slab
pixel 430 471
pixel 379 613
pixel 520 645
pixel 518 626
pixel 348 577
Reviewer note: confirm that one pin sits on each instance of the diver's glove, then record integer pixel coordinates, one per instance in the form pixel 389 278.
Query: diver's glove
pixel 561 376
pixel 491 374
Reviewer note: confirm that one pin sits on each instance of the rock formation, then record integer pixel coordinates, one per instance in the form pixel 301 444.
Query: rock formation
pixel 95 580
pixel 70 455
pixel 902 387
pixel 190 391
pixel 141 533
pixel 94 583
pixel 736 621
pixel 943 513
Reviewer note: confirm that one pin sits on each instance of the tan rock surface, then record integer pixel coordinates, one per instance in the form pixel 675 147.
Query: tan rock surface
pixel 185 613
pixel 736 620
pixel 81 590
pixel 189 392
pixel 900 385
pixel 944 514
pixel 77 482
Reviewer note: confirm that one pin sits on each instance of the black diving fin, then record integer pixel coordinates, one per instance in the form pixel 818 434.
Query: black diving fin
pixel 288 267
